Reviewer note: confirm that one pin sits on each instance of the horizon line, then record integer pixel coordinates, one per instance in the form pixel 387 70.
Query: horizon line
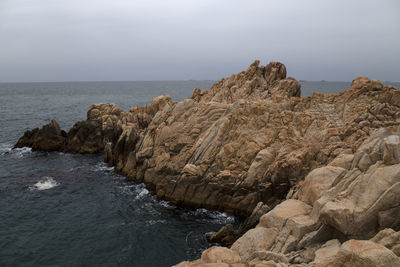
pixel 163 80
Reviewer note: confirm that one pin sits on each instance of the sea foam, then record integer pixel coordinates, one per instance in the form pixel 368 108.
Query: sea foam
pixel 45 183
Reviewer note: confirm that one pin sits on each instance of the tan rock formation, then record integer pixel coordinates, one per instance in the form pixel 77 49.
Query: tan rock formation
pixel 335 202
pixel 250 138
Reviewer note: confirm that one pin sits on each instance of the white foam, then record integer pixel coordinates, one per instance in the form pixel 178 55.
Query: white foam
pixel 211 216
pixel 141 192
pixel 165 204
pixel 45 183
pixel 5 148
pixel 20 152
pixel 103 167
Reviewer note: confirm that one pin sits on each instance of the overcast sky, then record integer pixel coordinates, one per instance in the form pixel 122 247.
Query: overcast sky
pixel 78 40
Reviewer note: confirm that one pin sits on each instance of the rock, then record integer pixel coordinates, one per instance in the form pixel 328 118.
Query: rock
pixel 256 239
pixel 388 238
pixel 267 256
pixel 275 71
pixel 254 218
pixel 327 252
pixel 343 161
pixel 362 253
pixel 388 218
pixel 391 153
pixel 346 204
pixel 49 138
pixel 318 181
pixel 227 235
pixel 354 210
pixel 220 255
pixel 85 137
pixel 216 257
pixel 278 217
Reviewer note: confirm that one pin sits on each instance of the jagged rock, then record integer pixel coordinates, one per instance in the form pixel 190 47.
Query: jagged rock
pixel 85 137
pixel 227 235
pixel 254 218
pixel 49 138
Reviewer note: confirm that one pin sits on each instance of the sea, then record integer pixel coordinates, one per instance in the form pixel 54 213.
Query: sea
pixel 60 209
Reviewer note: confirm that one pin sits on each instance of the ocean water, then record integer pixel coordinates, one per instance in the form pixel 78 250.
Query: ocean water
pixel 61 209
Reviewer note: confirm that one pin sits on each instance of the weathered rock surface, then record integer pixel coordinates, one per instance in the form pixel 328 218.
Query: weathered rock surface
pixel 250 138
pixel 333 205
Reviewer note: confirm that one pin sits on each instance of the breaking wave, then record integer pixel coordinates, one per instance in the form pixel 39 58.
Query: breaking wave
pixel 45 183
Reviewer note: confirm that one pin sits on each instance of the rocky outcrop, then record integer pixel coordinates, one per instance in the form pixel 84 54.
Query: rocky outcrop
pixel 49 138
pixel 316 174
pixel 250 138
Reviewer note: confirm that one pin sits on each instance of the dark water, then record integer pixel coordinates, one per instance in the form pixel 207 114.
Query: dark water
pixel 72 210
pixel 85 214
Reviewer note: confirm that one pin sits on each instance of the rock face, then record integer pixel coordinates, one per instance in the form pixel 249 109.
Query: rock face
pixel 329 220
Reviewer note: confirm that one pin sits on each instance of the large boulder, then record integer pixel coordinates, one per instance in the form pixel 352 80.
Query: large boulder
pixel 49 138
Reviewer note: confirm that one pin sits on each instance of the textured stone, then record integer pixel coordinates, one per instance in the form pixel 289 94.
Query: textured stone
pixel 256 239
pixel 362 253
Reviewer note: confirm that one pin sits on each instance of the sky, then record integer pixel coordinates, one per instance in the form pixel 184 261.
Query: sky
pixel 111 40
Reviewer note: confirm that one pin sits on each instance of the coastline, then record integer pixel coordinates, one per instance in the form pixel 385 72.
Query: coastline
pixel 249 139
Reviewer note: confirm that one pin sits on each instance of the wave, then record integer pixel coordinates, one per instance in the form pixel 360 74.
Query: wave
pixel 20 152
pixel 7 149
pixel 46 183
pixel 210 216
pixel 103 167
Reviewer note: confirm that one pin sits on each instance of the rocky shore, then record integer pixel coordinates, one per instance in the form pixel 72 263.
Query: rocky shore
pixel 317 177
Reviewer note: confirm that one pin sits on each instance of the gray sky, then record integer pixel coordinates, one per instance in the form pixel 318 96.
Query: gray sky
pixel 74 40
